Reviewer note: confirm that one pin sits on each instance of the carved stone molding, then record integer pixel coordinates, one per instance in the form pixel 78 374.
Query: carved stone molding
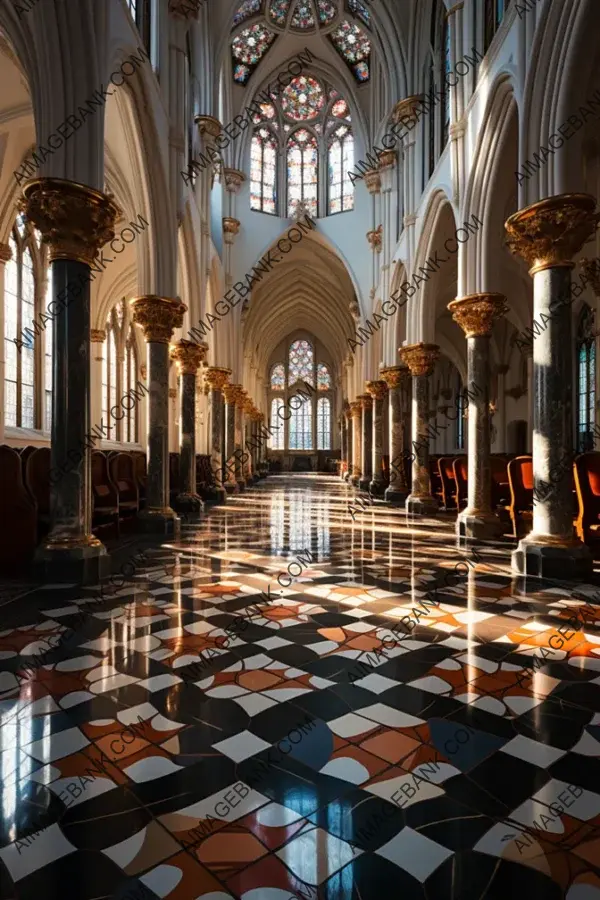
pixel 395 376
pixel 420 358
pixel 375 238
pixel 476 313
pixel 189 356
pixel 549 233
pixel 217 377
pixel 75 221
pixel 158 316
pixel 229 393
pixel 406 107
pixel 233 180
pixel 373 182
pixel 231 228
pixel 366 401
pixel 209 128
pixel 97 335
pixel 377 389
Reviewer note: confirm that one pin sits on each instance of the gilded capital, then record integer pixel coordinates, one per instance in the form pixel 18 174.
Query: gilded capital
pixel 366 401
pixel 231 228
pixel 233 180
pixel 406 108
pixel 420 358
pixel 373 182
pixel 549 233
pixel 476 313
pixel 240 397
pixel 377 389
pixel 387 160
pixel 189 356
pixel 395 376
pixel 97 335
pixel 355 409
pixel 375 238
pixel 209 128
pixel 230 393
pixel 158 316
pixel 217 377
pixel 75 221
pixel 248 406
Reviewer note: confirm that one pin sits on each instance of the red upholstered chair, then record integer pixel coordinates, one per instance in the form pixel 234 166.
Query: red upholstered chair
pixel 499 478
pixel 448 479
pixel 104 494
pixel 37 481
pixel 586 470
pixel 18 514
pixel 520 481
pixel 121 468
pixel 460 466
pixel 435 479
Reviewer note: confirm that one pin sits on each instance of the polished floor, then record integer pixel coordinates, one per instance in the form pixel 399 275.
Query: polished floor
pixel 294 703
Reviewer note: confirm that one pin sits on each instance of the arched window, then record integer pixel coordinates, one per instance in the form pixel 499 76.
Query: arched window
pixel 301 427
pixel 278 377
pixel 303 171
pixel 277 441
pixel 586 380
pixel 324 424
pixel 27 336
pixel 438 126
pixel 263 171
pixel 119 377
pixel 341 163
pixel 323 378
pixel 493 15
pixel 301 363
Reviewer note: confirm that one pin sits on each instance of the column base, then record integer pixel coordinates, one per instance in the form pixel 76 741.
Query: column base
pixel 539 557
pixel 347 477
pixel 241 485
pixel 231 487
pixel 480 526
pixel 160 521
pixel 364 483
pixel 215 496
pixel 395 497
pixel 83 561
pixel 421 506
pixel 189 503
pixel 377 488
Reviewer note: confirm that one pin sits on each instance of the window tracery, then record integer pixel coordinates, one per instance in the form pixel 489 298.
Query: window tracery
pixel 119 375
pixel 586 380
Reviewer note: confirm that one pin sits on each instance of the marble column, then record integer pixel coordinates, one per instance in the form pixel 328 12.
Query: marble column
pixel 547 235
pixel 349 442
pixel 476 315
pixel 343 445
pixel 158 317
pixel 76 221
pixel 217 378
pixel 356 413
pixel 98 339
pixel 229 480
pixel 420 359
pixel 246 454
pixel 395 378
pixel 189 356
pixel 240 399
pixel 366 442
pixel 262 448
pixel 377 390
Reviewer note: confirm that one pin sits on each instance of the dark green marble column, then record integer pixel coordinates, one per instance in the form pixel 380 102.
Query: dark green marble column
pixel 217 378
pixel 420 359
pixel 377 390
pixel 366 442
pixel 189 356
pixel 396 377
pixel 229 480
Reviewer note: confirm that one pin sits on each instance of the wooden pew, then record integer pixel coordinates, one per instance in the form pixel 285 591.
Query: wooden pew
pixel 461 476
pixel 18 514
pixel 121 467
pixel 586 472
pixel 520 481
pixel 448 480
pixel 104 494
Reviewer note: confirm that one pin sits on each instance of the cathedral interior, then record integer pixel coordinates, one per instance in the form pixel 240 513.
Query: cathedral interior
pixel 298 409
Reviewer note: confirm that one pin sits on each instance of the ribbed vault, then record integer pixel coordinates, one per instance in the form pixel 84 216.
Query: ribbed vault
pixel 310 288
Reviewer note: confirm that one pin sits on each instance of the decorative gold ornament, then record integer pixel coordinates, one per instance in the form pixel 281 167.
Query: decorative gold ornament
pixel 5 253
pixel 75 220
pixel 217 377
pixel 97 335
pixel 173 393
pixel 377 389
pixel 375 238
pixel 233 180
pixel 420 358
pixel 231 228
pixel 230 393
pixel 366 401
pixel 373 182
pixel 240 397
pixel 158 316
pixel 248 406
pixel 476 313
pixel 406 108
pixel 387 160
pixel 549 233
pixel 209 128
pixel 189 356
pixel 395 376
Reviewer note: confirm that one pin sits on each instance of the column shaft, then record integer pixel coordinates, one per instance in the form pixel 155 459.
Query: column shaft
pixel 367 444
pixel 396 377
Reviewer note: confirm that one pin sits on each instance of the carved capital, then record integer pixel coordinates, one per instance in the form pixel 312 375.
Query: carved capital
pixel 5 253
pixel 209 128
pixel 375 238
pixel 233 180
pixel 158 316
pixel 373 182
pixel 406 108
pixel 420 358
pixel 377 389
pixel 387 160
pixel 217 377
pixel 74 220
pixel 240 397
pixel 97 335
pixel 189 356
pixel 248 406
pixel 231 228
pixel 551 232
pixel 355 409
pixel 230 393
pixel 395 376
pixel 476 313
pixel 366 401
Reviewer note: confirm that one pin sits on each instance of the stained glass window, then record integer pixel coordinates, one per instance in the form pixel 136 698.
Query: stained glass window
pixel 323 424
pixel 249 47
pixel 48 360
pixel 300 426
pixel 340 110
pixel 354 47
pixel 119 376
pixel 341 163
pixel 263 171
pixel 278 378
pixel 586 381
pixel 302 171
pixel 247 9
pixel 278 10
pixel 277 429
pixel 301 363
pixel 327 11
pixel 302 16
pixel 359 9
pixel 323 377
pixel 241 73
pixel 23 301
pixel 303 99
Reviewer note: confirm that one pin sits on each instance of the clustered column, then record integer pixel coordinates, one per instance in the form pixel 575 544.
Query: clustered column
pixel 547 235
pixel 396 377
pixel 189 356
pixel 367 441
pixel 158 317
pixel 229 480
pixel 476 314
pixel 75 221
pixel 356 413
pixel 217 377
pixel 420 359
pixel 377 390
